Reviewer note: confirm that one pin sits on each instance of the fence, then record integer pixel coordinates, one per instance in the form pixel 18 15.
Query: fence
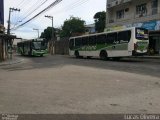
pixel 62 46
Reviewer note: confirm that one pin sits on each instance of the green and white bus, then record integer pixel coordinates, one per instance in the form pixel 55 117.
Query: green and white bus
pixel 34 47
pixel 115 44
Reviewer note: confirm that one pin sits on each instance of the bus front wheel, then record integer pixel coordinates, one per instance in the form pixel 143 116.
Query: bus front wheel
pixel 103 55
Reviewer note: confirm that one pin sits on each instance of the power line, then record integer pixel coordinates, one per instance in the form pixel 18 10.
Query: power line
pixel 72 6
pixel 25 2
pixel 34 10
pixel 20 3
pixel 76 5
pixel 47 8
pixel 26 12
pixel 32 7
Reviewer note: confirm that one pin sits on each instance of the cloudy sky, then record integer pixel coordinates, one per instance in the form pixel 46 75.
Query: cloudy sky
pixel 84 9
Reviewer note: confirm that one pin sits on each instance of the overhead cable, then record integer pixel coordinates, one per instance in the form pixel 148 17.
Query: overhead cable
pixel 34 10
pixel 47 8
pixel 27 12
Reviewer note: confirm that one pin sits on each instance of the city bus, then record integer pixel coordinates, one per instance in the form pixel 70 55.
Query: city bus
pixel 114 44
pixel 34 47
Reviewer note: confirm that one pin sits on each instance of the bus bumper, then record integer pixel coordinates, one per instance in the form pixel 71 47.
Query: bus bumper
pixel 38 53
pixel 139 53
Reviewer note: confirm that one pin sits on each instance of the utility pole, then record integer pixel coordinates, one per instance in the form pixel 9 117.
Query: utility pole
pixel 9 19
pixel 9 25
pixel 52 39
pixel 37 31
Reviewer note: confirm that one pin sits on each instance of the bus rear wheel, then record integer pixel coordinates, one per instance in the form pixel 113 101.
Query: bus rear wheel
pixel 103 55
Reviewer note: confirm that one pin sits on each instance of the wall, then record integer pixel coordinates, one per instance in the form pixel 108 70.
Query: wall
pixel 131 19
pixel 5 42
pixel 1 50
pixel 62 46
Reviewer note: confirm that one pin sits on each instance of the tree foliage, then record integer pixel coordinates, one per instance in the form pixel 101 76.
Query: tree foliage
pixel 100 20
pixel 47 34
pixel 72 26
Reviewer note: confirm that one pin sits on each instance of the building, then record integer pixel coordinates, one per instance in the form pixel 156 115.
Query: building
pixel 1 12
pixel 6 46
pixel 16 41
pixel 89 29
pixel 135 13
pixel 5 40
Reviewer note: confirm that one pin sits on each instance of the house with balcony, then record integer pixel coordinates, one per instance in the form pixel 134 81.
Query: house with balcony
pixel 122 14
pixel 90 29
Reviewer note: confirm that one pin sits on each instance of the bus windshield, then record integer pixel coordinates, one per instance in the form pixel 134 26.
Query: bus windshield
pixel 37 45
pixel 141 34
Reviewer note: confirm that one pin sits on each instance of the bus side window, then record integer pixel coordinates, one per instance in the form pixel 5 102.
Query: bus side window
pixel 124 36
pixel 85 41
pixel 71 43
pixel 111 38
pixel 101 39
pixel 78 42
pixel 92 40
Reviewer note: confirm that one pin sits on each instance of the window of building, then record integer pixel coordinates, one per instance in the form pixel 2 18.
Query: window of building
pixel 120 14
pixel 141 10
pixel 154 4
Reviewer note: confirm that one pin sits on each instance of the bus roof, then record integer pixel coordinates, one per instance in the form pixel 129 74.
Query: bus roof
pixel 131 28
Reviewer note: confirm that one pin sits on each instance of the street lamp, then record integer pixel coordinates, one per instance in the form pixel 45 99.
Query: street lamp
pixel 37 31
pixel 52 39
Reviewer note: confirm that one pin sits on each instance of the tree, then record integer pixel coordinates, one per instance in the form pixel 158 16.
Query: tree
pixel 47 34
pixel 72 27
pixel 100 20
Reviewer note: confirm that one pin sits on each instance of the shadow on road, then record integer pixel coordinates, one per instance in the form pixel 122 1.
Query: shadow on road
pixel 131 65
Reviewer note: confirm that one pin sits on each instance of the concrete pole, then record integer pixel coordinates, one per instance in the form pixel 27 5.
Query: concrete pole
pixel 52 39
pixel 9 22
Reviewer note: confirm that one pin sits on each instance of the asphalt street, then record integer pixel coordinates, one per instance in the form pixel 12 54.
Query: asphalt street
pixel 64 84
pixel 143 66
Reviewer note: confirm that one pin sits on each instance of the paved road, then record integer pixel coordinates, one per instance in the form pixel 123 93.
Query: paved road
pixel 63 84
pixel 132 65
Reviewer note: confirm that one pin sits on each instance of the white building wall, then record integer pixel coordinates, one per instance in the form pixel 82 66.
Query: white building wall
pixel 130 17
pixel 16 41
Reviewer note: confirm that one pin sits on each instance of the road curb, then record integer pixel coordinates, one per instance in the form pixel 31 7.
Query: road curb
pixel 147 57
pixel 11 62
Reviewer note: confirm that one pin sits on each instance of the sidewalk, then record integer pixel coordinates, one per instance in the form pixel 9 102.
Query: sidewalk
pixel 12 61
pixel 149 57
